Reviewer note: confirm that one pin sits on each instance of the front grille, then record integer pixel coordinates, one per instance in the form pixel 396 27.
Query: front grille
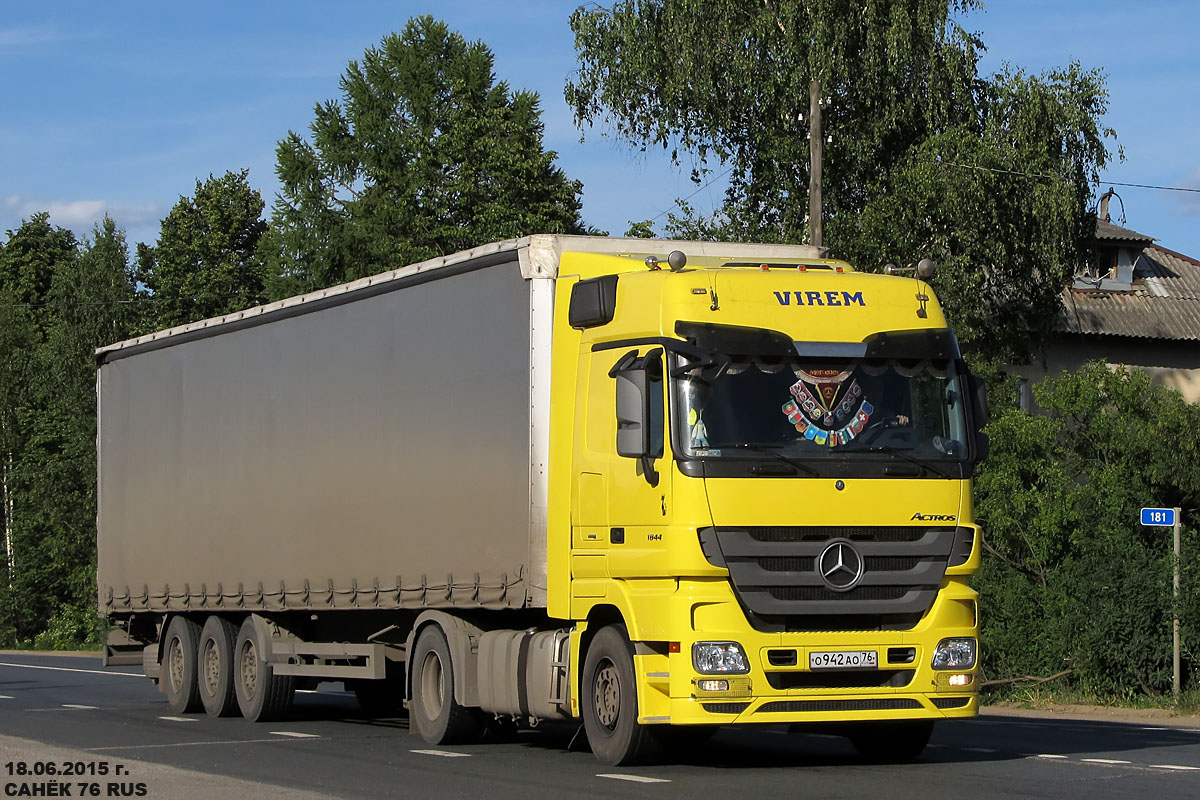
pixel 851 679
pixel 787 564
pixel 883 704
pixel 821 593
pixel 821 533
pixel 777 575
pixel 724 708
pixel 951 702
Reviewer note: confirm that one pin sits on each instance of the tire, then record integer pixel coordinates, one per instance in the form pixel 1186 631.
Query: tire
pixel 178 671
pixel 433 712
pixel 214 665
pixel 610 708
pixel 262 695
pixel 891 742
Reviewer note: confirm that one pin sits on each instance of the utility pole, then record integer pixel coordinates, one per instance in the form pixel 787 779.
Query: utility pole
pixel 1175 681
pixel 816 150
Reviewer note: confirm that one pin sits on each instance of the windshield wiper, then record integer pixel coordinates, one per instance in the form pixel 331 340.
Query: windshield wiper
pixel 893 450
pixel 773 451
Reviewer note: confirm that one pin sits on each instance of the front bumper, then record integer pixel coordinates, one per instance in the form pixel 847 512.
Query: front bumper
pixel 781 688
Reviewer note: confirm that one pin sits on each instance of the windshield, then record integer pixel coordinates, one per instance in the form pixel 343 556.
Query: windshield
pixel 821 408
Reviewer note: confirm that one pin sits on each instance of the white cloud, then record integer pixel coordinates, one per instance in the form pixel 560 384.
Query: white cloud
pixel 77 215
pixel 36 36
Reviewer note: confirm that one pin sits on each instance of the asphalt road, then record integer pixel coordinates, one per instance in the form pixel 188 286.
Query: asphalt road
pixel 68 714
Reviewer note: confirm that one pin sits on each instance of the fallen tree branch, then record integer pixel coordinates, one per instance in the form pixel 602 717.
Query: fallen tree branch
pixel 1028 678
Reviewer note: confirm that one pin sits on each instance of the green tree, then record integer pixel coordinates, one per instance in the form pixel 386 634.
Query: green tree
pixel 28 262
pixel 207 259
pixel 426 154
pixel 1072 579
pixel 902 101
pixel 81 298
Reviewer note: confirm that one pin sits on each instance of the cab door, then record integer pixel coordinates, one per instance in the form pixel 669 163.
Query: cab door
pixel 621 503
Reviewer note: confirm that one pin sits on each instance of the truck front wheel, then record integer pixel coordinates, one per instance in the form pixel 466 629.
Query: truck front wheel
pixel 178 674
pixel 610 707
pixel 216 667
pixel 891 742
pixel 261 694
pixel 434 712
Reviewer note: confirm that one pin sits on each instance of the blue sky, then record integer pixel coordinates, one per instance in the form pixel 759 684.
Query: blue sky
pixel 122 106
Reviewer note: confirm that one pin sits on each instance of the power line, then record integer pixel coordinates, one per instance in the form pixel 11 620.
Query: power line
pixel 1019 173
pixel 679 202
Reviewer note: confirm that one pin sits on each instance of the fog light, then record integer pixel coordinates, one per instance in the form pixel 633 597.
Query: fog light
pixel 956 653
pixel 961 680
pixel 716 658
pixel 712 685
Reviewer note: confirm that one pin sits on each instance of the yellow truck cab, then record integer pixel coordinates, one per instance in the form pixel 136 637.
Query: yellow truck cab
pixel 769 499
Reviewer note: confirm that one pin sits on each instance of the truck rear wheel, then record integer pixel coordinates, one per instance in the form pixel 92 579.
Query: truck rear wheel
pixel 261 694
pixel 610 706
pixel 434 712
pixel 178 673
pixel 215 667
pixel 891 742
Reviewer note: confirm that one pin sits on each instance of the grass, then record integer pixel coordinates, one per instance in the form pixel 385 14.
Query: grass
pixel 1041 696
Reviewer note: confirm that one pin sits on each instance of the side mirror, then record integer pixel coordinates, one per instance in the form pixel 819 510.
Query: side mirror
pixel 633 432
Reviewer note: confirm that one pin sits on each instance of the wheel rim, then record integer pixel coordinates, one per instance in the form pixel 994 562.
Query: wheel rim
pixel 175 664
pixel 212 667
pixel 606 694
pixel 248 667
pixel 433 685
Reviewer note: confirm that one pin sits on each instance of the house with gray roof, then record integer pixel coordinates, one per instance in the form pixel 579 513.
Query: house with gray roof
pixel 1137 305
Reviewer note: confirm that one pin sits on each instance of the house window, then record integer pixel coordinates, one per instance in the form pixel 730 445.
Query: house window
pixel 1024 394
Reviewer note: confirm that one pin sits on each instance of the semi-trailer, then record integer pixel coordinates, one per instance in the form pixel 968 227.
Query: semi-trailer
pixel 654 486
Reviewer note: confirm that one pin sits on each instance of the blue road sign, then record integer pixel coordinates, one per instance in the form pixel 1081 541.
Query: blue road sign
pixel 1158 516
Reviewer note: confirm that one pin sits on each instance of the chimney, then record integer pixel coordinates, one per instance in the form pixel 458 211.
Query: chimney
pixel 1104 198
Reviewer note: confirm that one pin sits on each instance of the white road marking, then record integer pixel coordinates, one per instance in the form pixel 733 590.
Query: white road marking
pixel 296 735
pixel 979 750
pixel 180 719
pixel 441 753
pixel 6 697
pixel 72 669
pixel 78 707
pixel 1048 755
pixel 634 778
pixel 1173 766
pixel 1105 761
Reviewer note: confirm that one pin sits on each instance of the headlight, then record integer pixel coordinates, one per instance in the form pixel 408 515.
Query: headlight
pixel 719 658
pixel 954 653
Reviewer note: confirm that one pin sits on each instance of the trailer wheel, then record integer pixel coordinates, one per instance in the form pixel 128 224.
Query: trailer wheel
pixel 215 667
pixel 610 706
pixel 891 742
pixel 436 715
pixel 261 694
pixel 178 673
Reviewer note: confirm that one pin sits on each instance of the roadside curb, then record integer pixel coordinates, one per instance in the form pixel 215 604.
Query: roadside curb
pixel 1132 716
pixel 69 653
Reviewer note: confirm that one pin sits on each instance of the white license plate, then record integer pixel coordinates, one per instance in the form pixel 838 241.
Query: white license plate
pixel 843 659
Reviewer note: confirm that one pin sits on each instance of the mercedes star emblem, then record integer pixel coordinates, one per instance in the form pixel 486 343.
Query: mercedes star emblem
pixel 840 566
